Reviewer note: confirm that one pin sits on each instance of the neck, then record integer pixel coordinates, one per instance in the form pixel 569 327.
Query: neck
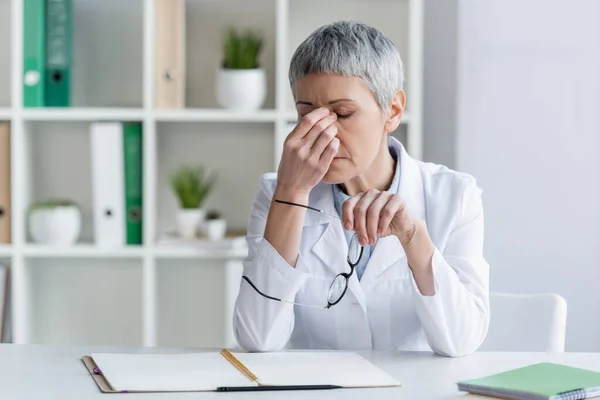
pixel 379 175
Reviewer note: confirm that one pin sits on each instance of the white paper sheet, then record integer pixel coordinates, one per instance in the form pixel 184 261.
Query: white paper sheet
pixel 345 369
pixel 168 372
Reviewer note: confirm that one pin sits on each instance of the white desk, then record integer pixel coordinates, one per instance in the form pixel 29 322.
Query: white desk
pixel 53 372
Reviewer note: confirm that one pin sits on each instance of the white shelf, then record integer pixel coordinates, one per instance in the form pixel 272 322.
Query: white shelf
pixel 137 114
pixel 83 114
pixel 5 113
pixel 292 116
pixel 81 251
pixel 5 250
pixel 92 251
pixel 214 115
pixel 177 252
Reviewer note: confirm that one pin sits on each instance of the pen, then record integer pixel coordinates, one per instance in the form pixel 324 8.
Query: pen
pixel 283 387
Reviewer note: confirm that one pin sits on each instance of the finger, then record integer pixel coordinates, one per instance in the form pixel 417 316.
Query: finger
pixel 394 205
pixel 329 153
pixel 360 216
pixel 373 216
pixel 348 211
pixel 319 127
pixel 323 140
pixel 307 122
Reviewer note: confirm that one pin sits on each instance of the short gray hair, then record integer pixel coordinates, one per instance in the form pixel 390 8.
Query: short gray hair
pixel 351 48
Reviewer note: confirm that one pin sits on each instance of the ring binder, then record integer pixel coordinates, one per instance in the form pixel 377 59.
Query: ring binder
pixel 573 394
pixel 34 53
pixel 5 183
pixel 170 53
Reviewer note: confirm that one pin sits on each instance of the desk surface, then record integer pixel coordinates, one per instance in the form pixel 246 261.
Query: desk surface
pixel 29 372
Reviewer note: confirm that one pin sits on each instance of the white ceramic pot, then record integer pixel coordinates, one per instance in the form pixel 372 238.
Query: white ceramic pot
pixel 241 89
pixel 188 221
pixel 215 229
pixel 55 226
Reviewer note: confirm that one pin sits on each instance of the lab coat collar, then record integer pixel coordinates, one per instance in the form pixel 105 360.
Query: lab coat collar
pixel 332 247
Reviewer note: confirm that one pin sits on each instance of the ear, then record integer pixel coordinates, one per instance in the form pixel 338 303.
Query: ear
pixel 395 111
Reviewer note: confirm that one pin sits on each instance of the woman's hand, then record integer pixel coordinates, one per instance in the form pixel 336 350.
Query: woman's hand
pixel 308 152
pixel 377 214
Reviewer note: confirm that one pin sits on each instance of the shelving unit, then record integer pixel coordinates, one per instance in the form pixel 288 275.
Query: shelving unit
pixel 81 251
pixel 214 115
pixel 5 114
pixel 5 250
pixel 113 79
pixel 83 114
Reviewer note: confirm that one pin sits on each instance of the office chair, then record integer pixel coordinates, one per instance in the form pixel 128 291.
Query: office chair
pixel 526 322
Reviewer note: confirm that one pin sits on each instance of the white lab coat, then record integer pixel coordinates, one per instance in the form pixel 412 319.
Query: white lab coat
pixel 385 309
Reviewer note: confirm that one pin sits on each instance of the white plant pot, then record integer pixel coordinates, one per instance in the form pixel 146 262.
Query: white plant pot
pixel 59 226
pixel 188 222
pixel 215 229
pixel 241 89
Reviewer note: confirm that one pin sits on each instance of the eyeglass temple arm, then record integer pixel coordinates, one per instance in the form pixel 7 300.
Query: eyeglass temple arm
pixel 308 207
pixel 258 290
pixel 275 298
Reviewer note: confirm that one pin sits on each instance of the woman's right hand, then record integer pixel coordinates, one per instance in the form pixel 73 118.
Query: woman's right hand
pixel 308 152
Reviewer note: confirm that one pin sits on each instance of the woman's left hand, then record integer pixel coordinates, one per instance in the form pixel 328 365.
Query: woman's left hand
pixel 375 214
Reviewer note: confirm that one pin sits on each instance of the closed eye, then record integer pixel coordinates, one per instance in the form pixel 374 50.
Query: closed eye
pixel 344 115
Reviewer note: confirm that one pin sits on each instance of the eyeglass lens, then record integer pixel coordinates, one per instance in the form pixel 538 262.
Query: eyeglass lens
pixel 340 283
pixel 354 250
pixel 337 289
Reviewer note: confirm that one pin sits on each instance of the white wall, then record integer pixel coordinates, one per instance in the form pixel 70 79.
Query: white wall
pixel 440 83
pixel 528 96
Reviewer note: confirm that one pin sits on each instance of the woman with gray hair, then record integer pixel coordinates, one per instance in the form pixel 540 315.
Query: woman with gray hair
pixel 353 244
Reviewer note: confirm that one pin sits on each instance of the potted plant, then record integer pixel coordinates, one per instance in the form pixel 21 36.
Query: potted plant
pixel 241 81
pixel 215 225
pixel 55 222
pixel 191 185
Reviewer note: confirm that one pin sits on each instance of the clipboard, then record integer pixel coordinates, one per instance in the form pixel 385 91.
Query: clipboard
pixel 97 375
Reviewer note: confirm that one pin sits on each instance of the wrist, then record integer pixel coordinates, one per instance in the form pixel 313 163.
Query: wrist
pixel 418 247
pixel 291 194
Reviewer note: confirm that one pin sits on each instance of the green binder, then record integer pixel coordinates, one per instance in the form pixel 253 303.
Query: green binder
pixel 58 52
pixel 133 162
pixel 542 381
pixel 34 52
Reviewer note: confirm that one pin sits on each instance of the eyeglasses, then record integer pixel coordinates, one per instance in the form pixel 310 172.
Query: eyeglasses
pixel 339 286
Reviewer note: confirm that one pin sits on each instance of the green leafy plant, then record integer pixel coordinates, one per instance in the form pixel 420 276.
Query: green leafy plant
pixel 212 215
pixel 241 49
pixel 52 203
pixel 192 185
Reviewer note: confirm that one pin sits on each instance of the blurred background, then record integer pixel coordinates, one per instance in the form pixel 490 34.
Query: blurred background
pixel 133 135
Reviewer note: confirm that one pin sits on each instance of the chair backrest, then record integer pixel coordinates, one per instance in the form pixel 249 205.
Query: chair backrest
pixel 526 322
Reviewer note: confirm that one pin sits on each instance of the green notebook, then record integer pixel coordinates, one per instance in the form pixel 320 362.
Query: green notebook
pixel 543 381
